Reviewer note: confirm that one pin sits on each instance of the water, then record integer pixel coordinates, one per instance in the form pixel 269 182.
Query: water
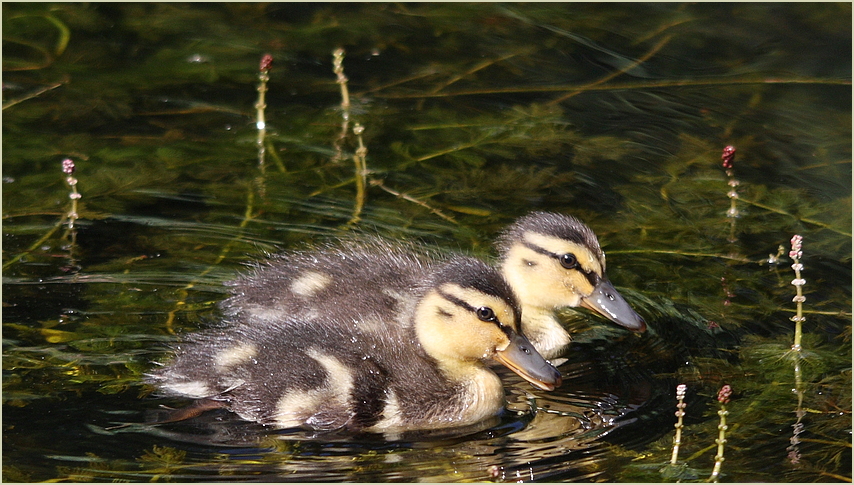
pixel 473 114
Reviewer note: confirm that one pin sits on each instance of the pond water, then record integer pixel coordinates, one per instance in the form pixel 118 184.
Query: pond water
pixel 473 115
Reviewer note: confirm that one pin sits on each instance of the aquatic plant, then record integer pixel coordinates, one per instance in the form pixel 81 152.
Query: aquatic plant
pixel 341 80
pixel 361 174
pixel 723 399
pixel 68 168
pixel 796 253
pixel 261 105
pixel 680 413
pixel 361 168
pixel 69 218
pixel 728 157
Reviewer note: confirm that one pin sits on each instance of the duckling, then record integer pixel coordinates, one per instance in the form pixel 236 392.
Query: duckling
pixel 354 367
pixel 550 260
pixel 553 261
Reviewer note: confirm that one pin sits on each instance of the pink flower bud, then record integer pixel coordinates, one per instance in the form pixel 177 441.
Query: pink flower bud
pixel 68 166
pixel 728 156
pixel 724 394
pixel 266 62
pixel 796 252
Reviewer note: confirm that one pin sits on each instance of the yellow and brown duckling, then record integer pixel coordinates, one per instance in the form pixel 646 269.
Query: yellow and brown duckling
pixel 553 261
pixel 355 366
pixel 550 261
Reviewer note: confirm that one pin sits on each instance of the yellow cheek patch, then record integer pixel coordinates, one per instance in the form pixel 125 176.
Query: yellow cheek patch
pixel 452 332
pixel 578 283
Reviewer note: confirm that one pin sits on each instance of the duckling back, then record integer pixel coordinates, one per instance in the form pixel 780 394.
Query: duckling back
pixel 364 277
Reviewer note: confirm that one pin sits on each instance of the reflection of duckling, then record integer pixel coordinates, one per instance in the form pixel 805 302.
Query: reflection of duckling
pixel 355 367
pixel 553 261
pixel 550 260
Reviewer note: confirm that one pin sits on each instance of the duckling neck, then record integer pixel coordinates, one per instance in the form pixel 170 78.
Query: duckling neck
pixel 544 331
pixel 482 394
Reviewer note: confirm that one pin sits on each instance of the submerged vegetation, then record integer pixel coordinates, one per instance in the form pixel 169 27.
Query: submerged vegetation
pixel 147 155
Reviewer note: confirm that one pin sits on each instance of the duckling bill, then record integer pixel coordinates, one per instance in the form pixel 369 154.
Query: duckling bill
pixel 424 367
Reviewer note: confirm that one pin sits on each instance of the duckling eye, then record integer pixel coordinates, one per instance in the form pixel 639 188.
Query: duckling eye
pixel 568 261
pixel 486 314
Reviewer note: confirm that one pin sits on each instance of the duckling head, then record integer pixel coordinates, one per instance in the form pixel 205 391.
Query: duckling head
pixel 554 261
pixel 469 315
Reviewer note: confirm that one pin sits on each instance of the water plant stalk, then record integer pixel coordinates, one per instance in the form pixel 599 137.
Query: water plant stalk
pixel 680 413
pixel 379 183
pixel 723 398
pixel 249 213
pixel 728 157
pixel 361 168
pixel 261 106
pixel 34 94
pixel 341 79
pixel 68 169
pixel 657 47
pixel 361 173
pixel 621 86
pixel 796 254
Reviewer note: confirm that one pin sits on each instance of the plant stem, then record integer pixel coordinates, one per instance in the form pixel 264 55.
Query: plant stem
pixel 261 121
pixel 379 183
pixel 686 254
pixel 361 175
pixel 622 87
pixel 36 244
pixel 796 253
pixel 680 413
pixel 723 398
pixel 657 47
pixel 13 102
pixel 801 219
pixel 720 441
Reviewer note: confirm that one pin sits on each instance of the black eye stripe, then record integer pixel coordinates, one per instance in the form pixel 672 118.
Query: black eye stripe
pixel 461 303
pixel 592 277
